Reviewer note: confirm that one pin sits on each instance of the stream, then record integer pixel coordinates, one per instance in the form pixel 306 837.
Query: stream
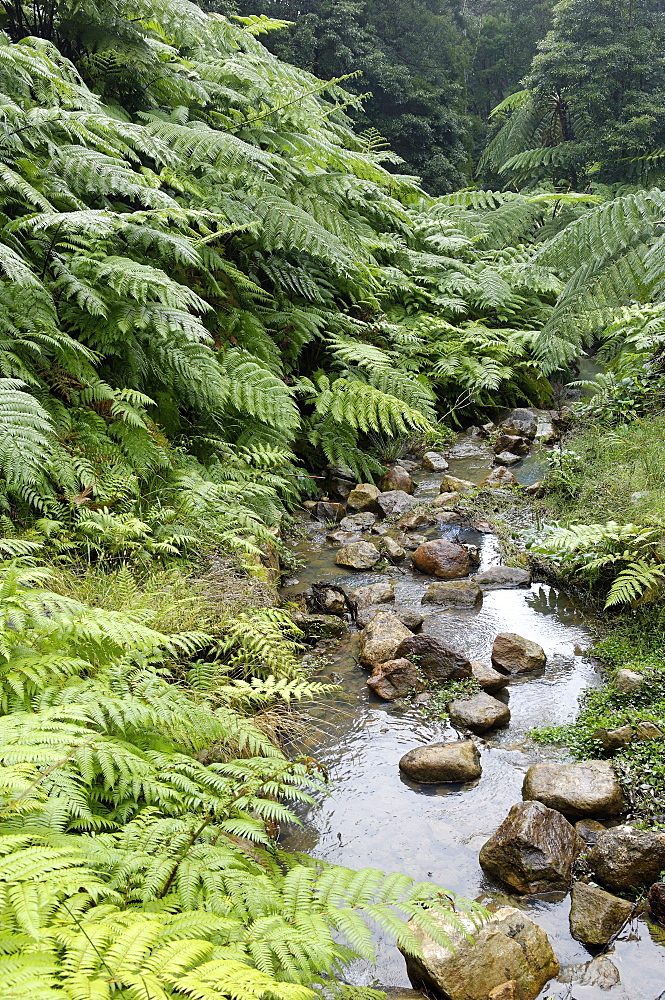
pixel 375 817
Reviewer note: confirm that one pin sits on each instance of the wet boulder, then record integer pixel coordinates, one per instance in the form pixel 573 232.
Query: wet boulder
pixel 317 627
pixel 451 484
pixel 590 830
pixel 462 595
pixel 415 519
pixel 503 578
pixel 595 915
pixel 513 654
pixel 434 461
pixel 585 788
pixel 341 537
pixel 656 901
pixel 414 541
pixel 440 762
pixel 392 549
pixel 363 497
pixel 479 713
pixel 628 681
pixel 396 478
pixel 499 479
pixel 442 558
pixel 507 946
pixel 381 638
pixel 436 660
pixel 511 443
pixel 374 593
pixel 395 502
pixel 520 423
pixel 533 850
pixel 506 458
pixel 602 973
pixel 624 858
pixel 489 679
pixel 326 510
pixel 395 679
pixel 358 522
pixel 358 555
pixel 411 618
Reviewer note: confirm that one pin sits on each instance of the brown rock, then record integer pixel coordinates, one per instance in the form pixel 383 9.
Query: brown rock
pixel 507 991
pixel 656 900
pixel 358 522
pixel 461 594
pixel 341 537
pixel 414 541
pixel 513 654
pixel 590 830
pixel 381 638
pixel 444 500
pixel 363 497
pixel 392 549
pixel 489 679
pixel 479 713
pixel 585 788
pixel 511 442
pixel 441 762
pixel 499 479
pixel 595 915
pixel 395 679
pixel 624 858
pixel 612 740
pixel 396 478
pixel 451 484
pixel 509 944
pixel 628 681
pixel 442 558
pixel 415 519
pixel 648 731
pixel 436 660
pixel 358 555
pixel 603 973
pixel 533 850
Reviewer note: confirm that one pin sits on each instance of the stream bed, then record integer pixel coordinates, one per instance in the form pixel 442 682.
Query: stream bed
pixel 375 817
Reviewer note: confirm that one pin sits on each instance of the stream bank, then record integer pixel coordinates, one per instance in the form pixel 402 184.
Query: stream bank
pixel 376 817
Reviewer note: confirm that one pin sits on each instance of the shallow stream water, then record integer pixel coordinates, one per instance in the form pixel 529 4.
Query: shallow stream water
pixel 375 817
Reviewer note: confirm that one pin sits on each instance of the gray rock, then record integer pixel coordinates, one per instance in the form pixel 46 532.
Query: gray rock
pixel 395 679
pixel 503 578
pixel 396 478
pixel 341 537
pixel 439 762
pixel 513 654
pixel 381 638
pixel 479 713
pixel 470 447
pixel 412 619
pixel 628 681
pixel 601 972
pixel 624 858
pixel 392 549
pixel 506 458
pixel 374 593
pixel 656 900
pixel 315 627
pixel 415 519
pixel 648 731
pixel 489 679
pixel 326 510
pixel 595 915
pixel 434 461
pixel 332 602
pixel 358 522
pixel 363 497
pixel 451 484
pixel 358 555
pixel 460 594
pixel 585 788
pixel 436 660
pixel 414 541
pixel 395 502
pixel 442 558
pixel 612 740
pixel 521 423
pixel 507 946
pixel 511 443
pixel 533 850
